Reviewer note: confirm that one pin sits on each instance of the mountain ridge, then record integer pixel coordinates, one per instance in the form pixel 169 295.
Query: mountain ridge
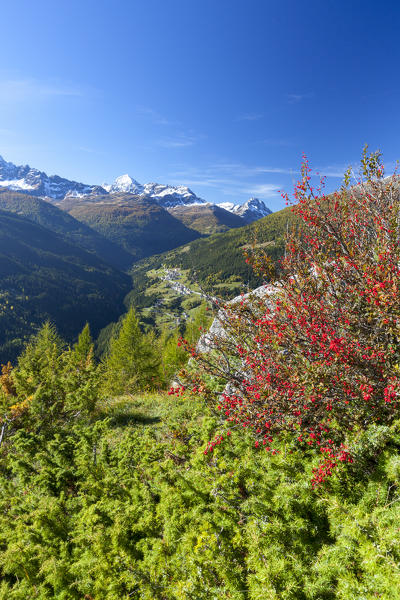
pixel 251 210
pixel 136 223
pixel 32 181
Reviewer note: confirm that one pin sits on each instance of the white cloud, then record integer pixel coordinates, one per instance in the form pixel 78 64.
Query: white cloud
pixel 232 179
pixel 20 90
pixel 154 116
pixel 205 181
pixel 335 171
pixel 89 150
pixel 180 140
pixel 175 143
pixel 296 98
pixel 243 170
pixel 265 190
pixel 250 117
pixel 7 132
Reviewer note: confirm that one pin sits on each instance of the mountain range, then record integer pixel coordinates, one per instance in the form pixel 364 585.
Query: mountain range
pixel 250 211
pixel 55 189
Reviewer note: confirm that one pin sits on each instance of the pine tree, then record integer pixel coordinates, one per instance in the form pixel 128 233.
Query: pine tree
pixel 39 361
pixel 37 378
pixel 132 363
pixel 83 349
pixel 200 322
pixel 173 356
pixel 81 375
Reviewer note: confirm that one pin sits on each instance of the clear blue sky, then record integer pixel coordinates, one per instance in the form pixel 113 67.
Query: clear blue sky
pixel 220 95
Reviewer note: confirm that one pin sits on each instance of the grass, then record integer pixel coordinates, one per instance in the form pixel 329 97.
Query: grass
pixel 155 410
pixel 133 411
pixel 180 425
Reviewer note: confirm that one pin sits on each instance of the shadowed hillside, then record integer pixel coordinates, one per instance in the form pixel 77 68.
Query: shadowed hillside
pixel 60 222
pixel 45 277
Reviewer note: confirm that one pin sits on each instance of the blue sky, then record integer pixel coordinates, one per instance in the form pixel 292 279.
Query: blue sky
pixel 220 95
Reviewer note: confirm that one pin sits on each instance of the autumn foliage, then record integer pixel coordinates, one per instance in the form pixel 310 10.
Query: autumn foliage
pixel 317 360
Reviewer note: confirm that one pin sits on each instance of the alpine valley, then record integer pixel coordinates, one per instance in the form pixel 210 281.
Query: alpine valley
pixel 67 250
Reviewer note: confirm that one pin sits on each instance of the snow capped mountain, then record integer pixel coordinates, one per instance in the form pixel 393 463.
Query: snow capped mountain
pixel 169 195
pixel 250 211
pixel 124 183
pixel 165 195
pixel 37 183
pixel 229 206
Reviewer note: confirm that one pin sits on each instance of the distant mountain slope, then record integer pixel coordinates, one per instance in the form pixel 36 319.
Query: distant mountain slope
pixel 57 189
pixel 164 195
pixel 44 277
pixel 215 263
pixel 26 179
pixel 250 211
pixel 136 223
pixel 206 218
pixel 59 221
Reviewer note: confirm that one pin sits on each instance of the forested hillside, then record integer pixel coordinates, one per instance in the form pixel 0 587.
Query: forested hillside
pixel 45 277
pixel 138 224
pixel 116 230
pixel 60 222
pixel 206 219
pixel 216 264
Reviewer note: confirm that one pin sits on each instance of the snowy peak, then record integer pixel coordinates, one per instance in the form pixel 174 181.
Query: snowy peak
pixel 124 183
pixel 165 195
pixel 250 211
pixel 37 183
pixel 253 209
pixel 229 206
pixel 169 195
pixel 31 181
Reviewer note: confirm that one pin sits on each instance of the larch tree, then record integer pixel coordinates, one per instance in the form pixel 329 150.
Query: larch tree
pixel 132 363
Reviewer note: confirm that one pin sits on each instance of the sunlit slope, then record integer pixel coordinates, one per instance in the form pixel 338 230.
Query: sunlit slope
pixel 206 218
pixel 216 263
pixel 137 224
